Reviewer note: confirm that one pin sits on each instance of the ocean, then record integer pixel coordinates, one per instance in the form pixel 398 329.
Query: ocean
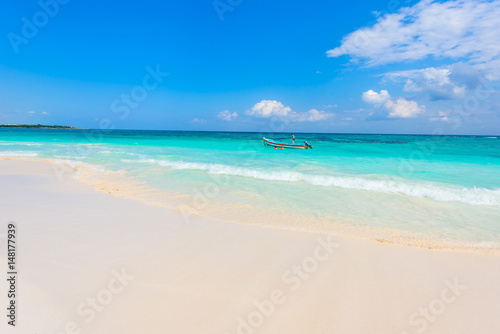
pixel 404 188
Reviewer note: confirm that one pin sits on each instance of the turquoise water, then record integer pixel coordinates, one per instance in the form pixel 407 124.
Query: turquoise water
pixel 447 187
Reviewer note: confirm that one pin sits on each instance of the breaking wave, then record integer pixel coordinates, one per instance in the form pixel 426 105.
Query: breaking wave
pixel 439 192
pixel 435 191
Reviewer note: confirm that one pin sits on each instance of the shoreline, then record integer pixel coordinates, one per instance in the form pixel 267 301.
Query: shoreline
pixel 208 276
pixel 121 185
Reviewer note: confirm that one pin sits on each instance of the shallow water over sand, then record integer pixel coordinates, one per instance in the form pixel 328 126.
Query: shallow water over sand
pixel 446 188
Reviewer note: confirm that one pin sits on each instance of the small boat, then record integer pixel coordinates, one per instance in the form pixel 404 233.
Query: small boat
pixel 273 143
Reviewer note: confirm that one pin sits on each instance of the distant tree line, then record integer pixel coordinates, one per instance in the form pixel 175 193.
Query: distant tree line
pixel 36 126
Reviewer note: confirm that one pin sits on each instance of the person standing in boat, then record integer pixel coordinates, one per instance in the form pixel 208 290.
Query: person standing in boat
pixel 293 139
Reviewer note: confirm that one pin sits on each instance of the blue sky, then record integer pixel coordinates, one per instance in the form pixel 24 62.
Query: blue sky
pixel 322 66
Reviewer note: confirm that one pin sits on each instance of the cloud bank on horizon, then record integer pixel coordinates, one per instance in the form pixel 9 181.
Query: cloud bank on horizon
pixel 276 109
pixel 272 108
pixel 399 109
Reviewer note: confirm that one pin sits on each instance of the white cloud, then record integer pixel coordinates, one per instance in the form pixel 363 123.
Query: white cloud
pixel 227 115
pixel 400 109
pixel 199 121
pixel 312 115
pixel 373 97
pixel 448 82
pixel 269 108
pixel 32 112
pixel 456 29
pixel 442 116
pixel 329 106
pixel 403 108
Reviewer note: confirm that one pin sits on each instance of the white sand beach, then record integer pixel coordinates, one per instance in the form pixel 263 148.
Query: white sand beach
pixel 90 262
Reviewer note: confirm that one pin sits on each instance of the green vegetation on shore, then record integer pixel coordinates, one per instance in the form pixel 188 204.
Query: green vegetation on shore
pixel 35 126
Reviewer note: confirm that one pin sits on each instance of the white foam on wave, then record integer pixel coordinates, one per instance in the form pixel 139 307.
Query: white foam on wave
pixel 15 143
pixel 18 154
pixel 70 157
pixel 140 160
pixel 115 151
pixel 476 196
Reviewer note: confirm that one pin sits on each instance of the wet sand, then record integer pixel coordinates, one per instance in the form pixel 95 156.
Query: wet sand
pixel 90 262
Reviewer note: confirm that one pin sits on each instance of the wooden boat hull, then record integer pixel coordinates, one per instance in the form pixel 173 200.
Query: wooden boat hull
pixel 269 142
